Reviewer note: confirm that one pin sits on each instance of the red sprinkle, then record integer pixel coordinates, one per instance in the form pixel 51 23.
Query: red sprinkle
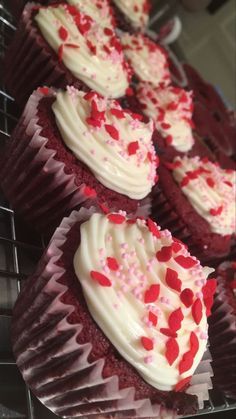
pixel 63 33
pixel 152 318
pixel 182 384
pixel 176 246
pixel 186 362
pixel 172 279
pixel 184 181
pixel 90 192
pixel 172 350
pixel 112 131
pixel 108 31
pixel 168 332
pixel 44 90
pixel 153 228
pixel 118 113
pixel 147 343
pixel 71 45
pixel 100 278
pixel 91 47
pixel 185 261
pixel 169 139
pixel 216 211
pixel 152 293
pixel 164 254
pixel 129 91
pixel 116 218
pixel 197 310
pixel 209 288
pixel 186 297
pixel 210 182
pixel 194 343
pixel 112 264
pixel 133 147
pixel 164 125
pixel 175 319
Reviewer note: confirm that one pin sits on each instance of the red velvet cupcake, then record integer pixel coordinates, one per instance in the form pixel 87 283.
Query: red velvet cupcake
pixel 114 321
pixel 131 15
pixel 195 199
pixel 222 330
pixel 72 148
pixel 58 46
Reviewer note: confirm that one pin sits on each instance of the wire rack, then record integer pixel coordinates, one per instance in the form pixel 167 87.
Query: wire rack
pixel 20 249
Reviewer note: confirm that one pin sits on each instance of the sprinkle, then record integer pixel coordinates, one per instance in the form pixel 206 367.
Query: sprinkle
pixel 184 181
pixel 129 91
pixel 116 218
pixel 169 139
pixel 118 113
pixel 152 318
pixel 153 228
pixel 168 332
pixel 133 147
pixel 186 362
pixel 63 33
pixel 186 297
pixel 185 261
pixel 108 31
pixel 69 45
pixel 164 254
pixel 112 264
pixel 100 278
pixel 172 279
pixel 175 319
pixel 194 344
pixel 210 182
pixel 197 311
pixel 89 192
pixel 164 125
pixel 43 90
pixel 152 293
pixel 112 131
pixel 182 384
pixel 147 343
pixel 216 211
pixel 148 359
pixel 172 350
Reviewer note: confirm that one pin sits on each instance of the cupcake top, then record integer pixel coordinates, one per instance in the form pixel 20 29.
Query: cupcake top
pixel 137 11
pixel 91 52
pixel 148 60
pixel 98 10
pixel 114 143
pixel 210 190
pixel 146 293
pixel 171 109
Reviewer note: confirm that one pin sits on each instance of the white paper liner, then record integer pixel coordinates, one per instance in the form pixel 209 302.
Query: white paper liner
pixel 40 318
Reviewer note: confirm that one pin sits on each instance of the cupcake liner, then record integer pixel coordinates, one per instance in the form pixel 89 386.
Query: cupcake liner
pixel 37 185
pixel 54 364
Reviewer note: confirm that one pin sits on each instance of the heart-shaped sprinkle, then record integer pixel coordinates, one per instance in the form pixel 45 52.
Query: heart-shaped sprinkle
pixel 152 293
pixel 89 192
pixel 147 343
pixel 63 33
pixel 210 182
pixel 186 362
pixel 100 278
pixel 172 280
pixel 185 261
pixel 118 113
pixel 153 228
pixel 209 288
pixel 116 218
pixel 194 343
pixel 175 319
pixel 168 332
pixel 133 147
pixel 172 350
pixel 216 211
pixel 182 384
pixel 152 318
pixel 112 131
pixel 186 297
pixel 197 310
pixel 176 246
pixel 164 254
pixel 112 264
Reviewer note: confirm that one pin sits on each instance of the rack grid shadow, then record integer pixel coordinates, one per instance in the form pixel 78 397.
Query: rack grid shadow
pixel 20 249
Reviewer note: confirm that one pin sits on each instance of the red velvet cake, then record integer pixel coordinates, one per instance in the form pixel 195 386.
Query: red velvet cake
pixel 72 148
pixel 131 15
pixel 59 45
pixel 195 199
pixel 222 329
pixel 114 321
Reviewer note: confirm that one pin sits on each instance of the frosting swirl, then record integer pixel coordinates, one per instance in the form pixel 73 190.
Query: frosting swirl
pixel 99 10
pixel 148 60
pixel 137 11
pixel 91 52
pixel 210 190
pixel 115 144
pixel 171 109
pixel 146 293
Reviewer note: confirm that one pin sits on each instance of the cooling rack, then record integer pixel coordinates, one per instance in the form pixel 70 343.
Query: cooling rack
pixel 20 249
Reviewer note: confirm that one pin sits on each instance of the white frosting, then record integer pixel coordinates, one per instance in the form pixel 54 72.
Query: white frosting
pixel 147 59
pixel 109 159
pixel 99 10
pixel 102 69
pixel 135 10
pixel 120 309
pixel 221 197
pixel 171 106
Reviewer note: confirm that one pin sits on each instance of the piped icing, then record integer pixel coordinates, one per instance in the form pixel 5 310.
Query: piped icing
pixel 114 143
pixel 171 109
pixel 136 11
pixel 91 52
pixel 148 60
pixel 211 191
pixel 98 10
pixel 146 293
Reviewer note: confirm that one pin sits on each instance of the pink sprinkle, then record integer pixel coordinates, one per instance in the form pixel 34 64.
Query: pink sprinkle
pixel 148 359
pixel 199 294
pixel 124 245
pixel 141 240
pixel 203 335
pixel 198 282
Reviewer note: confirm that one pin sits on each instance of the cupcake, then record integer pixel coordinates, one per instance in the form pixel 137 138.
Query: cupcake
pixel 58 46
pixel 222 330
pixel 195 199
pixel 75 148
pixel 131 15
pixel 113 321
pixel 147 59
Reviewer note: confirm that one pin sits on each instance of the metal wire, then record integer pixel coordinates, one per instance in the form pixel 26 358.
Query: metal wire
pixel 15 273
